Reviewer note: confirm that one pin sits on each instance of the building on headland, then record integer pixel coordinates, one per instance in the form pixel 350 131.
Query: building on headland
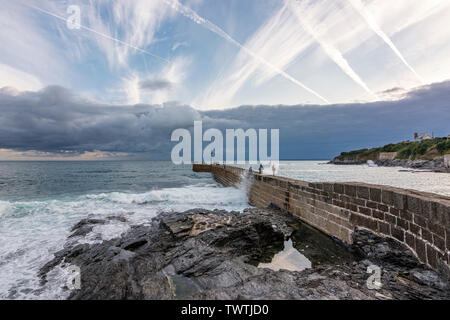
pixel 422 136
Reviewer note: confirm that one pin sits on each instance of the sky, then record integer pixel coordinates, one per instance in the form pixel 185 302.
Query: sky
pixel 332 75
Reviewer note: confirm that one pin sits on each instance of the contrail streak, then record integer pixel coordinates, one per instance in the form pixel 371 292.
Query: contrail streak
pixel 192 15
pixel 98 33
pixel 330 49
pixel 359 6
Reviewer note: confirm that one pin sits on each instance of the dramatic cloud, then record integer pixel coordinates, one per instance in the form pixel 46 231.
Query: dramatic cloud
pixel 189 13
pixel 331 50
pixel 131 23
pixel 333 31
pixel 278 41
pixel 359 6
pixel 11 77
pixel 54 120
pixel 238 52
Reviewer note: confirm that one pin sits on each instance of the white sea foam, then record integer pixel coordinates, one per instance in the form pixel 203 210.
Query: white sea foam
pixel 31 232
pixel 5 208
pixel 319 171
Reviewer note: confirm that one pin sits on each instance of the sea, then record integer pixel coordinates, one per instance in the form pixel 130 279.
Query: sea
pixel 41 201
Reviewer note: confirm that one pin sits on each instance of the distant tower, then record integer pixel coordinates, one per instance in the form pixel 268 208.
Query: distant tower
pixel 416 136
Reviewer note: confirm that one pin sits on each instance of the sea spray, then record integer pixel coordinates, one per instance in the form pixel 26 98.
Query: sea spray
pixel 245 183
pixel 31 231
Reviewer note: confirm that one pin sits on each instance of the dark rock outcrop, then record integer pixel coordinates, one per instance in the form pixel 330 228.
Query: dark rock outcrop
pixel 202 254
pixel 436 165
pixel 347 161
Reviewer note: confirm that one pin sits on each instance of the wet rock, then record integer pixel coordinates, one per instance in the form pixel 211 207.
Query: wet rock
pixel 81 231
pixel 384 250
pixel 88 222
pixel 85 226
pixel 116 218
pixel 402 275
pixel 134 244
pixel 201 254
pixel 437 164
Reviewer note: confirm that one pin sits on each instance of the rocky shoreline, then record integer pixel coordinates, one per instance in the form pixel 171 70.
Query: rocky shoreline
pixel 435 165
pixel 201 254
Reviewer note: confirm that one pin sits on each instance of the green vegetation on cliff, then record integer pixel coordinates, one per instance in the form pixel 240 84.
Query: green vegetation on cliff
pixel 425 149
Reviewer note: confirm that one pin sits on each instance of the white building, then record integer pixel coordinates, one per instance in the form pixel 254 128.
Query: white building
pixel 422 136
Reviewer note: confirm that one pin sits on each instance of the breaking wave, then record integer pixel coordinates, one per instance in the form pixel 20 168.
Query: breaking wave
pixel 31 232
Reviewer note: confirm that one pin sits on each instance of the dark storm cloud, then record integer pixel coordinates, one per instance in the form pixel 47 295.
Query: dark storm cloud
pixel 393 90
pixel 321 132
pixel 154 85
pixel 55 120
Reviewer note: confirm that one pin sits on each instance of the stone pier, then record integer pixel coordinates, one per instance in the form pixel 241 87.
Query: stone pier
pixel 419 220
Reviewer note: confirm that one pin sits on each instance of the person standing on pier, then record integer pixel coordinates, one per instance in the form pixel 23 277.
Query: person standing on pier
pixel 261 168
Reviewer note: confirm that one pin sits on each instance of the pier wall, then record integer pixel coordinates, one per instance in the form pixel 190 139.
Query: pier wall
pixel 419 220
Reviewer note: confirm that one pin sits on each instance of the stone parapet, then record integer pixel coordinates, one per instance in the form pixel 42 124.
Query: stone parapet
pixel 420 220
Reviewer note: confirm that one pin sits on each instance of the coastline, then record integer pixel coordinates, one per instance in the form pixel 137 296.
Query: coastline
pixel 435 165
